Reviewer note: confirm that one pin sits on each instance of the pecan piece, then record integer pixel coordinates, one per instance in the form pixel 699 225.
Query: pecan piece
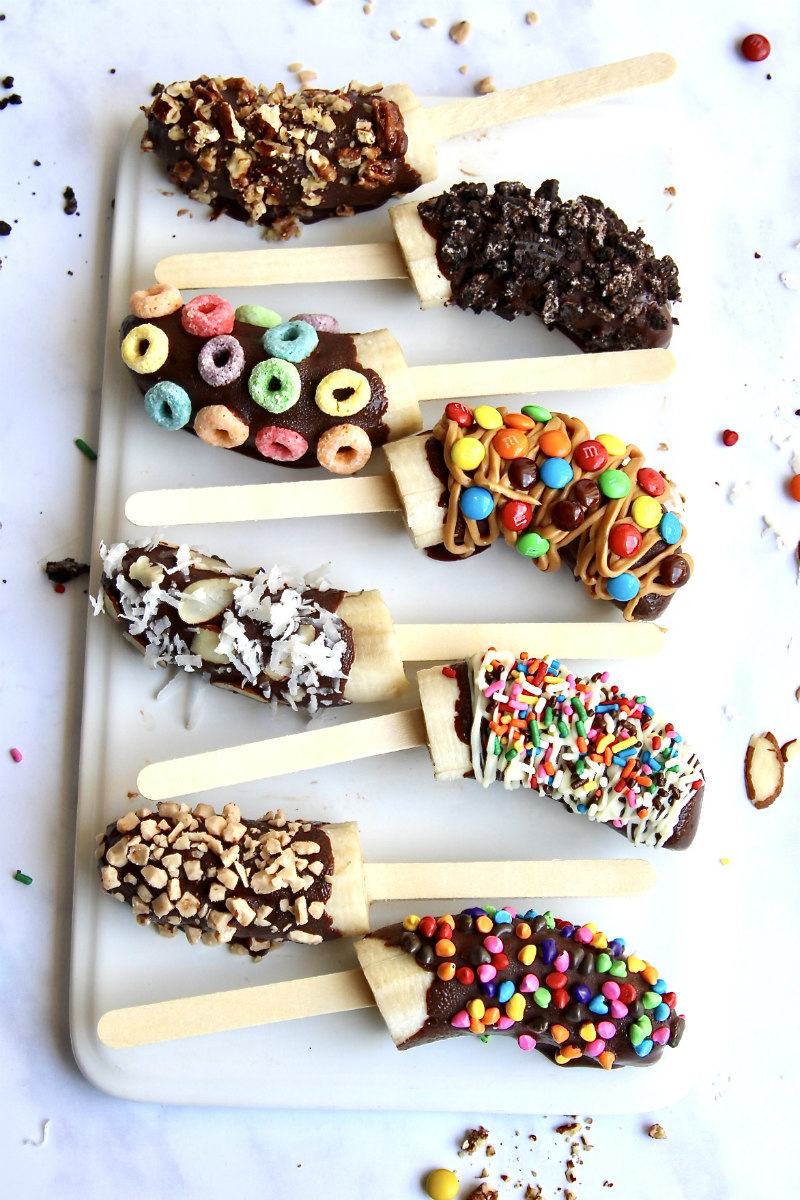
pixel 390 124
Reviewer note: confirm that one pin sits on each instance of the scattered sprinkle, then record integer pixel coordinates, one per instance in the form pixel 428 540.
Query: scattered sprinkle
pixel 730 437
pixel 460 32
pixel 86 449
pixel 15 754
pixel 657 1132
pixel 21 877
pixel 755 47
pixel 726 862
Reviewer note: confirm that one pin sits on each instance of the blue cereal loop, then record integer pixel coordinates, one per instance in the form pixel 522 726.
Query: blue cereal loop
pixel 254 314
pixel 292 341
pixel 275 385
pixel 168 405
pixel 221 360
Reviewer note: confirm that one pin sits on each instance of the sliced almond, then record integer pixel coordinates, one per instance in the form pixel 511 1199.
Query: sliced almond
pixel 205 643
pixel 146 572
pixel 790 750
pixel 763 769
pixel 206 599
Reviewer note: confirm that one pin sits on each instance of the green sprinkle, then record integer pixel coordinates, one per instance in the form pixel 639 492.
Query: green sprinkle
pixel 640 699
pixel 533 729
pixel 581 728
pixel 86 449
pixel 580 766
pixel 484 1037
pixel 497 746
pixel 579 709
pixel 21 877
pixel 547 719
pixel 563 728
pixel 510 754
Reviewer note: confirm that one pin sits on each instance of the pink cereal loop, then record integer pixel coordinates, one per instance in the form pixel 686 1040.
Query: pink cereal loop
pixel 344 449
pixel 157 301
pixel 218 426
pixel 281 444
pixel 207 316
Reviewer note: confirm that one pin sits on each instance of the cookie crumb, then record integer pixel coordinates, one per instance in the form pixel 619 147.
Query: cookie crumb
pixel 460 32
pixel 656 1132
pixel 394 34
pixel 531 18
pixel 485 85
pixel 429 22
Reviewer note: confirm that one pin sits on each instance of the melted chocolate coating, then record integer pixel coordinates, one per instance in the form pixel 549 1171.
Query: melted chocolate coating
pixel 574 263
pixel 276 160
pixel 333 351
pixel 559 1015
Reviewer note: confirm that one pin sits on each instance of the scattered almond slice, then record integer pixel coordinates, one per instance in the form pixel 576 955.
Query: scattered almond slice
pixel 763 770
pixel 790 750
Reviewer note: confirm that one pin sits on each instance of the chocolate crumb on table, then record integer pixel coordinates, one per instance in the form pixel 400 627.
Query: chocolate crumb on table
pixel 65 569
pixel 70 202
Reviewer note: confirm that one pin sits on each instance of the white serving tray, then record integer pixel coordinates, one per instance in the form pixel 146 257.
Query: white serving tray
pixel 625 156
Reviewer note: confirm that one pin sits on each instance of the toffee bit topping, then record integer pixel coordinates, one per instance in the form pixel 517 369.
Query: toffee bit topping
pixel 604 754
pixel 209 874
pixel 264 633
pixel 572 262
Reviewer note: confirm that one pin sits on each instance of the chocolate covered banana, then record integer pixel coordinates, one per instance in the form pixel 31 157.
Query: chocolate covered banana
pixel 281 160
pixel 520 720
pixel 573 263
pixel 275 638
pixel 253 884
pixel 301 393
pixel 563 989
pixel 536 478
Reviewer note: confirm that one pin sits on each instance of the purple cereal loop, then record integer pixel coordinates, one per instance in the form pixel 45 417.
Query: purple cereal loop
pixel 221 360
pixel 322 322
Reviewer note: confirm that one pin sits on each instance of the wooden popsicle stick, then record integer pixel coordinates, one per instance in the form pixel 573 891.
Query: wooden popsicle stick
pixel 431 643
pixel 282 755
pixel 263 501
pixel 558 373
pixel 241 1008
pixel 308 264
pixel 552 877
pixel 547 96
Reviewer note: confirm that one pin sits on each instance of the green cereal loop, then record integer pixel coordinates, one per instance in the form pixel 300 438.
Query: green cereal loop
pixel 255 314
pixel 145 349
pixel 263 377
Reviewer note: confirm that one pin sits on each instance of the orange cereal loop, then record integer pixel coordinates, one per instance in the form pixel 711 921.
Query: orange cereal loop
pixel 555 443
pixel 510 443
pixel 157 301
pixel 344 449
pixel 218 426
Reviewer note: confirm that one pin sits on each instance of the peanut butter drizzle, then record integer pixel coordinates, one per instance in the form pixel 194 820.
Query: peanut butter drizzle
pixel 595 562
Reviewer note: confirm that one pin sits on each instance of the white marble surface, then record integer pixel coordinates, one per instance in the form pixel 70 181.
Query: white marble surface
pixel 731 1136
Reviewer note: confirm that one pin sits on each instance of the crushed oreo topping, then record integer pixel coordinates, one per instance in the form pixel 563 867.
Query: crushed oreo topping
pixel 65 569
pixel 573 263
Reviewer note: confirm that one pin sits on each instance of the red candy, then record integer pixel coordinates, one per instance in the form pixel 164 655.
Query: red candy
pixel 755 47
pixel 207 316
pixel 794 487
pixel 591 455
pixel 460 414
pixel 624 540
pixel 465 975
pixel 556 980
pixel 445 930
pixel 561 997
pixel 427 927
pixel 730 437
pixel 516 515
pixel 500 961
pixel 651 481
pixel 627 993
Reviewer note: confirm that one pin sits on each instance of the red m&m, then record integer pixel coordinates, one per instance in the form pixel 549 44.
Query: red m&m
pixel 516 515
pixel 459 413
pixel 624 540
pixel 590 455
pixel 651 481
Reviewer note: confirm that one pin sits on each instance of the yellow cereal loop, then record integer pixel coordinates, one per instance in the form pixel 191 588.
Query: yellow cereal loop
pixel 354 386
pixel 467 453
pixel 646 512
pixel 145 349
pixel 488 417
pixel 614 445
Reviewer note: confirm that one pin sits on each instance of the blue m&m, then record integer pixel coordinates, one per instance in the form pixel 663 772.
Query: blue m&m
pixel 670 528
pixel 476 503
pixel 555 473
pixel 623 587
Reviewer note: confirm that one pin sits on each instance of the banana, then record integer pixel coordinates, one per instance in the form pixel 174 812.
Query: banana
pixel 377 671
pixel 565 990
pixel 419 252
pixel 380 352
pixel 419 490
pixel 439 695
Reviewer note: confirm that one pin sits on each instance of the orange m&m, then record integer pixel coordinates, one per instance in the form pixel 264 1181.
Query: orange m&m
pixel 510 443
pixel 555 443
